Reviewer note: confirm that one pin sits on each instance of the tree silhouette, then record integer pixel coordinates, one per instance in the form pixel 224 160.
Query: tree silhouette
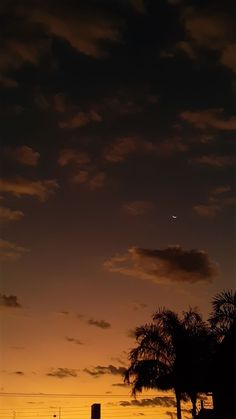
pixel 189 356
pixel 169 355
pixel 223 366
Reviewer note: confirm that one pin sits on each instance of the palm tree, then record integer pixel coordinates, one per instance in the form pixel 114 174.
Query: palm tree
pixel 169 354
pixel 223 367
pixel 224 312
pixel 151 362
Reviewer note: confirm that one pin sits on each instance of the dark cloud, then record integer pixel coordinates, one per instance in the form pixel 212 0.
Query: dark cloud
pixel 9 301
pixel 62 373
pixel 156 401
pixel 19 373
pixel 74 340
pixel 102 324
pixel 173 263
pixel 101 370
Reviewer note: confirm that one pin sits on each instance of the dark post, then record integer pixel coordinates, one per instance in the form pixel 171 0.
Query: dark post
pixel 96 411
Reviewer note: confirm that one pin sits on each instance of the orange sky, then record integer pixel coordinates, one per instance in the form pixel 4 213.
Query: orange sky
pixel 117 188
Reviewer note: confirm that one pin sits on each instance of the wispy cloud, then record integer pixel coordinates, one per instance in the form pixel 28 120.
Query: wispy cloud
pixel 74 340
pixel 10 251
pixel 101 370
pixel 62 373
pixel 7 214
pixel 136 208
pixel 19 187
pixel 164 401
pixel 216 203
pixel 173 264
pixel 216 161
pixel 70 155
pixel 102 324
pixel 120 149
pixel 213 118
pixel 85 30
pixel 80 119
pixel 24 155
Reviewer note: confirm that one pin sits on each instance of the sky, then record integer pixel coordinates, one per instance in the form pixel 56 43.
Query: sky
pixel 117 189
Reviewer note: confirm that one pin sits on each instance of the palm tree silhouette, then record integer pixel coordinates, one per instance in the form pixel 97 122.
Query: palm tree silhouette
pixel 223 365
pixel 169 355
pixel 224 312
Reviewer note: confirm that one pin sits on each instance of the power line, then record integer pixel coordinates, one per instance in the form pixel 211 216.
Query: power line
pixel 66 395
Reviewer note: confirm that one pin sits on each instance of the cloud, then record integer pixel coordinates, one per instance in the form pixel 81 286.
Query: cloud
pixel 216 203
pixel 36 24
pixel 10 251
pixel 97 180
pixel 228 57
pixel 139 306
pixel 173 264
pixel 62 373
pixel 94 180
pixel 9 301
pixel 16 53
pixel 221 189
pixel 74 340
pixel 8 82
pixel 85 30
pixel 211 31
pixel 80 119
pixel 120 149
pixel 212 118
pixel 164 401
pixel 101 370
pixel 86 173
pixel 207 30
pixel 7 214
pixel 216 161
pixel 24 155
pixel 136 208
pixel 69 155
pixel 102 324
pixel 19 187
pixel 20 373
pixel 187 48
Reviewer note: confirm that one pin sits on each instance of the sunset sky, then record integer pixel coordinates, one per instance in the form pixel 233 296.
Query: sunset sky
pixel 117 189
